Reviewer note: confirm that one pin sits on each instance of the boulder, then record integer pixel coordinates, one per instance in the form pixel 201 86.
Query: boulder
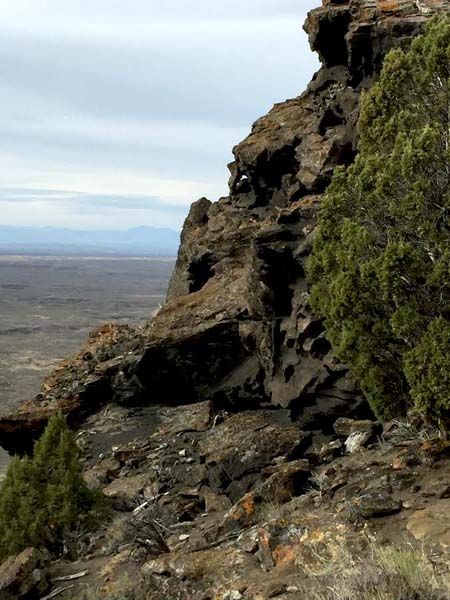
pixel 22 575
pixel 379 502
pixel 432 524
pixel 345 427
pixel 239 448
pixel 126 492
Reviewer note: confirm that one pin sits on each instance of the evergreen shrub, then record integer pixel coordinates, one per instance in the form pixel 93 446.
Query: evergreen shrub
pixel 380 267
pixel 44 500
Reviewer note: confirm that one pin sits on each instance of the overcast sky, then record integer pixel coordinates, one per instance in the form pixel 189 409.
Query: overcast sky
pixel 119 113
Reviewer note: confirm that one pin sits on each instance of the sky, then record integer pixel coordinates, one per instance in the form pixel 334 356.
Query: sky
pixel 117 114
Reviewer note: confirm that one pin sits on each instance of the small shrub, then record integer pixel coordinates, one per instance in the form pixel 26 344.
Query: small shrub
pixel 271 511
pixel 44 500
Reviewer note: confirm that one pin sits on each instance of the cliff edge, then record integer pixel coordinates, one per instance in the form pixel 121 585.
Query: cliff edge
pixel 237 329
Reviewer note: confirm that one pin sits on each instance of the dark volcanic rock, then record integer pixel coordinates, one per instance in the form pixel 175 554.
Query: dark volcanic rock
pixel 19 432
pixel 236 451
pixel 266 225
pixel 377 503
pixel 237 328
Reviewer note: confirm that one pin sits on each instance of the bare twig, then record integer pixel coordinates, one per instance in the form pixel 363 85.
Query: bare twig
pixel 58 591
pixel 70 577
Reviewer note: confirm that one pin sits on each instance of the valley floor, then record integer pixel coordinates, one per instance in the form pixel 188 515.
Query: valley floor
pixel 49 304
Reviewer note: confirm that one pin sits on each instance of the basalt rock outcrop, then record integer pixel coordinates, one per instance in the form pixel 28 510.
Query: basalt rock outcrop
pixel 237 329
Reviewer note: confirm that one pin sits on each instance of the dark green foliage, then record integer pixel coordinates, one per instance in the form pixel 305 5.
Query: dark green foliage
pixel 427 368
pixel 44 500
pixel 380 269
pixel 15 531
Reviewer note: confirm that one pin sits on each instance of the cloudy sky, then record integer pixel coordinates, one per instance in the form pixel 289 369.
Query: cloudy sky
pixel 119 113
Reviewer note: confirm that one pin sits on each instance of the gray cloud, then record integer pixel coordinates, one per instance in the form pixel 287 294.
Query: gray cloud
pixel 91 208
pixel 80 201
pixel 147 102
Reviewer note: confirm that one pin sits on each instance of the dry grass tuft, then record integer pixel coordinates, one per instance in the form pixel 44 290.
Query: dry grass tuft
pixel 383 574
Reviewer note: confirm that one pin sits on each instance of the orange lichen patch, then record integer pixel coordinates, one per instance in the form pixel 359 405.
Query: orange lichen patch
pixel 388 5
pixel 399 462
pixel 284 554
pixel 244 508
pixel 426 446
pixel 248 504
pixel 264 538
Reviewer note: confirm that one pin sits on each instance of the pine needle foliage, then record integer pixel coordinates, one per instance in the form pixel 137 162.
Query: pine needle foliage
pixel 43 499
pixel 380 268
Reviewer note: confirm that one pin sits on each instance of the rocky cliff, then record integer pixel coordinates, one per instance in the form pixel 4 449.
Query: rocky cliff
pixel 237 329
pixel 236 480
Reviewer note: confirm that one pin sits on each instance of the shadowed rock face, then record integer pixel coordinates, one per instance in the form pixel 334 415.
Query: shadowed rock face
pixel 237 328
pixel 267 222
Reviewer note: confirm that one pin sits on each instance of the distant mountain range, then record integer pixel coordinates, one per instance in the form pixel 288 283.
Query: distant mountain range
pixel 138 241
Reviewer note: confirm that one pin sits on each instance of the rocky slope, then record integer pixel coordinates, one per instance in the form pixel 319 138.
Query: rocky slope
pixel 213 506
pixel 237 328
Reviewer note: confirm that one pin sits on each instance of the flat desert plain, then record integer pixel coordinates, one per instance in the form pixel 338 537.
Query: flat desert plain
pixel 49 304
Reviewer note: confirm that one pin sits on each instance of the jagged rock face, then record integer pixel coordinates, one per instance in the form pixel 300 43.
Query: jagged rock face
pixel 357 34
pixel 277 178
pixel 237 328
